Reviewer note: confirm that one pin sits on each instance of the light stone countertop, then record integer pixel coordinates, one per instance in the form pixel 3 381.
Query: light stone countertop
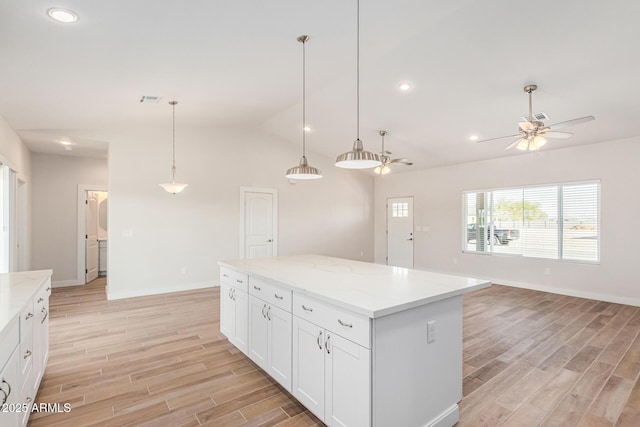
pixel 373 290
pixel 16 289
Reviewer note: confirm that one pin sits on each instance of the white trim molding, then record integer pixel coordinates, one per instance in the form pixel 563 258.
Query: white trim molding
pixel 163 290
pixel 81 220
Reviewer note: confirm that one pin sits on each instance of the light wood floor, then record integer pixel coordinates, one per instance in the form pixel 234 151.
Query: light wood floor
pixel 530 358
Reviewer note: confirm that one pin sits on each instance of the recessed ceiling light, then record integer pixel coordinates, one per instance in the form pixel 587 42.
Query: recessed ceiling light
pixel 405 86
pixel 473 137
pixel 63 15
pixel 65 142
pixel 307 129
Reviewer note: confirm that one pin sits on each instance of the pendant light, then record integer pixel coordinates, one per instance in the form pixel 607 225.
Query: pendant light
pixel 173 187
pixel 358 158
pixel 303 170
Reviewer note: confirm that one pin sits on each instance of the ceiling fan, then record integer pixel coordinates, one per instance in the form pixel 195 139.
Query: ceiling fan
pixel 533 133
pixel 384 169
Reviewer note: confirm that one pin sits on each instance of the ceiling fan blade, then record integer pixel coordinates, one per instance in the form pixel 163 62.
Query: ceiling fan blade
pixel 556 134
pixel 500 137
pixel 571 122
pixel 402 161
pixel 513 144
pixel 526 126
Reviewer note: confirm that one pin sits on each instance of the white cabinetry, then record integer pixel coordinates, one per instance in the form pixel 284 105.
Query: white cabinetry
pixel 331 374
pixel 234 305
pixel 270 330
pixel 24 345
pixel 10 373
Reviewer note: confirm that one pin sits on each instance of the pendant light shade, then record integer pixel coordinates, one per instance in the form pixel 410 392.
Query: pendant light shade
pixel 173 187
pixel 303 170
pixel 358 158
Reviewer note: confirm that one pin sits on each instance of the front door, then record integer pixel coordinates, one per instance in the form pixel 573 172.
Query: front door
pixel 91 237
pixel 400 232
pixel 259 219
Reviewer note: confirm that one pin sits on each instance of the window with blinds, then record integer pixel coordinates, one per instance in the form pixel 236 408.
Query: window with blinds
pixel 559 221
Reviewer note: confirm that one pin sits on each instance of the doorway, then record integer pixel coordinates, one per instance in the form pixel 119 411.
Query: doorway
pixel 400 236
pixel 92 231
pixel 258 222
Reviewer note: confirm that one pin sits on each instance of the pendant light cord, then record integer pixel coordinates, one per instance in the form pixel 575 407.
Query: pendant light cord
pixel 173 167
pixel 358 71
pixel 304 99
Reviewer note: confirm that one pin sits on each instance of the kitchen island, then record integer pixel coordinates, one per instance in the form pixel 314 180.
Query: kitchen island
pixel 358 344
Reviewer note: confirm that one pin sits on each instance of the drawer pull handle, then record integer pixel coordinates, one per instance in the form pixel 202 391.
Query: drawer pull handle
pixel 239 281
pixel 278 296
pixel 269 313
pixel 28 400
pixel 28 316
pixel 305 308
pixel 225 275
pixel 318 340
pixel 27 354
pixel 45 314
pixel 326 344
pixel 257 288
pixel 264 307
pixel 6 393
pixel 348 325
pixel 49 288
pixel 40 300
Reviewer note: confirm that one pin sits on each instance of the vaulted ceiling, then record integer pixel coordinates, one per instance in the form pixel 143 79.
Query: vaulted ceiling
pixel 237 63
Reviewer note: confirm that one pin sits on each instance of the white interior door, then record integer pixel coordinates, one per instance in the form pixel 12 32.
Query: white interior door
pixel 259 216
pixel 91 237
pixel 400 232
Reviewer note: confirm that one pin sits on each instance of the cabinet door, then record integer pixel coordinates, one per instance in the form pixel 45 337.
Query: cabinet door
pixel 258 332
pixel 280 346
pixel 227 312
pixel 241 333
pixel 308 365
pixel 11 388
pixel 348 371
pixel 40 334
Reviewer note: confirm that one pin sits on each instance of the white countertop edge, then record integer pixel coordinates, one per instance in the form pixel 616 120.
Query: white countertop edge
pixel 37 279
pixel 354 308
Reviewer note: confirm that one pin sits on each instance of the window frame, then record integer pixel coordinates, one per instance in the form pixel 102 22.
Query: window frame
pixel 560 186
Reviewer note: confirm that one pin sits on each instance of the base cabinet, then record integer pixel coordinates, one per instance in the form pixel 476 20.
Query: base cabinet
pixel 24 351
pixel 234 315
pixel 331 375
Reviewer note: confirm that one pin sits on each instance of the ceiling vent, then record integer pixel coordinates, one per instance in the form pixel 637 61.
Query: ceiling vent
pixel 539 117
pixel 145 99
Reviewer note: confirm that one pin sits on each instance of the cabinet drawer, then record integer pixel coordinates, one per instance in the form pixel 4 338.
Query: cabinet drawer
pixel 233 278
pixel 273 294
pixel 351 326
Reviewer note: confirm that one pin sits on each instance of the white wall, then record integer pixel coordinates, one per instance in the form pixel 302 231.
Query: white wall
pixel 15 154
pixel 55 204
pixel 438 205
pixel 153 234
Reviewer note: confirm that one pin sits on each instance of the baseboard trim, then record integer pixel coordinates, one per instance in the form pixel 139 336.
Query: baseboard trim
pixel 447 418
pixel 570 292
pixel 156 291
pixel 65 283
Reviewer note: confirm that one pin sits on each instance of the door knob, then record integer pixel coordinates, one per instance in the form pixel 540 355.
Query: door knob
pixel 269 241
pixel 411 238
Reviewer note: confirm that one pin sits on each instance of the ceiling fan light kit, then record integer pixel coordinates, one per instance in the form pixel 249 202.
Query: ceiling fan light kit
pixel 173 187
pixel 384 168
pixel 532 133
pixel 358 158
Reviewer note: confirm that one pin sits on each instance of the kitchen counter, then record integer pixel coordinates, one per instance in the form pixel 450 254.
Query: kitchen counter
pixel 16 289
pixel 372 290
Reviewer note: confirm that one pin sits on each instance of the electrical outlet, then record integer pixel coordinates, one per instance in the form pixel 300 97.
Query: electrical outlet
pixel 431 331
pixel 547 271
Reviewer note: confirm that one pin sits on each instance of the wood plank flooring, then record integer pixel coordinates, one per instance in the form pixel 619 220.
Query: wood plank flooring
pixel 530 358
